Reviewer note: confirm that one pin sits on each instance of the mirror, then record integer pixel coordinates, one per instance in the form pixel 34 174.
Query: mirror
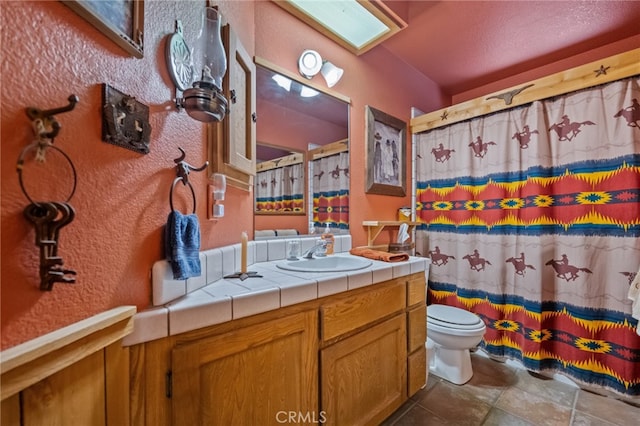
pixel 298 122
pixel 280 181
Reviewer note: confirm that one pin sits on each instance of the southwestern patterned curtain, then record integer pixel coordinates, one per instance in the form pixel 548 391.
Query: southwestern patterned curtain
pixel 531 218
pixel 331 191
pixel 281 189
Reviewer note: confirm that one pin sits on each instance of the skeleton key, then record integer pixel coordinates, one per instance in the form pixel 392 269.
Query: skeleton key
pixel 67 214
pixel 55 275
pixel 54 272
pixel 41 215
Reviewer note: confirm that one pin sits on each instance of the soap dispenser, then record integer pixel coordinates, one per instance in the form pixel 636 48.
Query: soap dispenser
pixel 329 239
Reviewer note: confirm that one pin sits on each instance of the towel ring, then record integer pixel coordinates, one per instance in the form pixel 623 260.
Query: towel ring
pixel 20 166
pixel 193 193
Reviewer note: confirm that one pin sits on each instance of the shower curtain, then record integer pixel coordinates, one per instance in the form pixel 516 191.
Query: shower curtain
pixel 331 191
pixel 531 218
pixel 281 189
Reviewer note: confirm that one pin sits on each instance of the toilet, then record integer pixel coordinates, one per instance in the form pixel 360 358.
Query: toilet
pixel 451 332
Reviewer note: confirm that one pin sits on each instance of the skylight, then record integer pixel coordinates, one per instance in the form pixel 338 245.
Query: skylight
pixel 356 25
pixel 346 18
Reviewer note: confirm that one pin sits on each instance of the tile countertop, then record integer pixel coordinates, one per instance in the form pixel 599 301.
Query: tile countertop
pixel 231 298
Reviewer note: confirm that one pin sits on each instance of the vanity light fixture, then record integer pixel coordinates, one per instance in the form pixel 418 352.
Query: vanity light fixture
pixel 331 73
pixel 204 100
pixel 311 63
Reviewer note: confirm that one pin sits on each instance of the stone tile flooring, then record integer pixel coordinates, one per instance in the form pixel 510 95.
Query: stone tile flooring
pixel 506 394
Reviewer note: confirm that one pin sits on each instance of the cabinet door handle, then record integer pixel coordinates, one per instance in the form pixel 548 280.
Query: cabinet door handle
pixel 254 117
pixel 233 96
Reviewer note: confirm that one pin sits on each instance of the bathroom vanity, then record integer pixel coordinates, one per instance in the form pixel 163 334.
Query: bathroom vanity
pixel 340 348
pixel 350 358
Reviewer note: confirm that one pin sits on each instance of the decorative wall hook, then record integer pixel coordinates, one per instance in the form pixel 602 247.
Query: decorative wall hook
pixel 182 171
pixel 183 168
pixel 45 124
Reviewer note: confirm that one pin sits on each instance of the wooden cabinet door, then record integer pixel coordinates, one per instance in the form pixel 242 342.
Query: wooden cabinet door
pixel 364 377
pixel 74 395
pixel 249 376
pixel 232 142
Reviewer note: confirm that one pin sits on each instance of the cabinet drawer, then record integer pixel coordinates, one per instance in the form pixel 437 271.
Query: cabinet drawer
pixel 416 327
pixel 416 290
pixel 416 370
pixel 354 311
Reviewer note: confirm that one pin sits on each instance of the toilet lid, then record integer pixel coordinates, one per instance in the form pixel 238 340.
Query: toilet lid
pixel 452 315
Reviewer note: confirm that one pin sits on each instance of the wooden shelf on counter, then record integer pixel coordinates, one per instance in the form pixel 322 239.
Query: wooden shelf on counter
pixel 375 227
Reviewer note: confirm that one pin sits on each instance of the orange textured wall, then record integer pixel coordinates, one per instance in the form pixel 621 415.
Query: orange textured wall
pixel 122 197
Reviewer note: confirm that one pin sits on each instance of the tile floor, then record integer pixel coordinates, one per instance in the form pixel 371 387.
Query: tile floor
pixel 506 394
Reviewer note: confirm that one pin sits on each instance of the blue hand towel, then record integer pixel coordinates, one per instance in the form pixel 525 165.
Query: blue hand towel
pixel 182 245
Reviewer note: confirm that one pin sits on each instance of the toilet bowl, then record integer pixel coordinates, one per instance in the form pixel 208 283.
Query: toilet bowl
pixel 451 332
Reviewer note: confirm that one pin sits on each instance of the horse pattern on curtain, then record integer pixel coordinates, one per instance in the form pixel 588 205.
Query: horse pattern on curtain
pixel 280 189
pixel 531 217
pixel 331 191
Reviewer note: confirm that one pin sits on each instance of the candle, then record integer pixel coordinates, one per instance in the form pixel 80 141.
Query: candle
pixel 243 253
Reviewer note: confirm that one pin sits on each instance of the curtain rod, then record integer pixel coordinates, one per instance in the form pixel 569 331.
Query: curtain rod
pixel 613 68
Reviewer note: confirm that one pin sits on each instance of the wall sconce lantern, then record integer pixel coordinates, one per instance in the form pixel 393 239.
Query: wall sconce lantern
pixel 311 63
pixel 203 99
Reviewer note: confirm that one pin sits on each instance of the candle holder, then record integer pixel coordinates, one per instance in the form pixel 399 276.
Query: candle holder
pixel 244 275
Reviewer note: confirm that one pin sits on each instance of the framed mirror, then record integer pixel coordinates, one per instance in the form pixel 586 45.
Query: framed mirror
pixel 295 118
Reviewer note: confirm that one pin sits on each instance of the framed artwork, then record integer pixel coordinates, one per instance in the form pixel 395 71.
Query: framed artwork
pixel 386 154
pixel 120 20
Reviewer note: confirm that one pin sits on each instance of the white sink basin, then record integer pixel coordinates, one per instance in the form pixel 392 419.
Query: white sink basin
pixel 325 264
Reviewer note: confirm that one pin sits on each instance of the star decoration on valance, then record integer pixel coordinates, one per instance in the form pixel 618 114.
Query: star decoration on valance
pixel 601 71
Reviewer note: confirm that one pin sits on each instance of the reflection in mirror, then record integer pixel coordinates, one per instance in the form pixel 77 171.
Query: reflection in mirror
pixel 300 126
pixel 280 181
pixel 329 172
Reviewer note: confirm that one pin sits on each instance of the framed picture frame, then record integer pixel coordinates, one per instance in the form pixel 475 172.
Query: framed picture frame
pixel 122 21
pixel 386 154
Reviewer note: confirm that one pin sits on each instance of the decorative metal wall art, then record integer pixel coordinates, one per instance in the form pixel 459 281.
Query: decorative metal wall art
pixel 125 121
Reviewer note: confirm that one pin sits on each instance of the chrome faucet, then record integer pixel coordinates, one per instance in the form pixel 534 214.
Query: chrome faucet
pixel 319 249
